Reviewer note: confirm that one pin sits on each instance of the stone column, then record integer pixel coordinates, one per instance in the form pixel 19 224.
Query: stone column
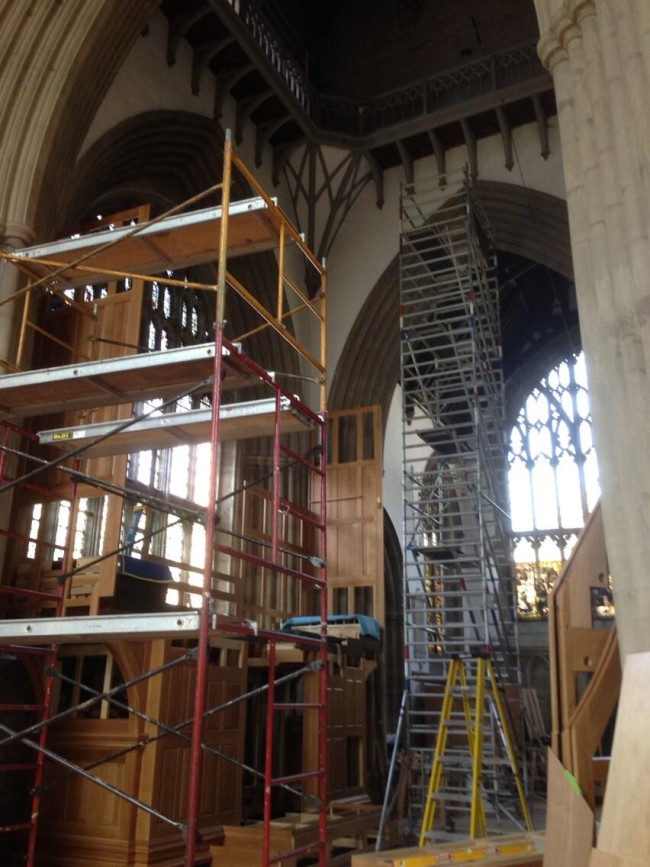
pixel 598 52
pixel 10 318
pixel 14 238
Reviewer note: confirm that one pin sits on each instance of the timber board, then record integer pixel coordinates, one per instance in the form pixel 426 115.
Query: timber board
pixel 125 379
pixel 173 243
pixel 237 421
pixel 513 850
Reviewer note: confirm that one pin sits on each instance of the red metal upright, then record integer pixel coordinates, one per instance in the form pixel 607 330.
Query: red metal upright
pixel 196 753
pixel 322 727
pixel 48 655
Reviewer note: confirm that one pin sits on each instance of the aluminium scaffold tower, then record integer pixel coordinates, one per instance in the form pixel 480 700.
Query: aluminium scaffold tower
pixel 458 587
pixel 32 619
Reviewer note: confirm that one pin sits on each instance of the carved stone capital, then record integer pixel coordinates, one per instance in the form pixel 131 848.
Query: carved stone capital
pixel 578 10
pixel 565 26
pixel 551 51
pixel 13 236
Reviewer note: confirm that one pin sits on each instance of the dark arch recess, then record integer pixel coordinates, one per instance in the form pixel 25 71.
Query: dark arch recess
pixel 164 158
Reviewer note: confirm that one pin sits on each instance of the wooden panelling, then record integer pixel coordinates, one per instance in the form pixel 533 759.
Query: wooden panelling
pixel 624 827
pixel 585 664
pixel 84 824
pixel 266 595
pixel 347 727
pixel 355 521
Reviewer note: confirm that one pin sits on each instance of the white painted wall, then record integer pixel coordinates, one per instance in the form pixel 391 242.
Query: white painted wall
pixel 392 482
pixel 370 240
pixel 145 82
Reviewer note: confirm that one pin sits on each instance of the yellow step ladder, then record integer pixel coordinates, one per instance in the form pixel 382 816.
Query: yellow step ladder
pixel 457 682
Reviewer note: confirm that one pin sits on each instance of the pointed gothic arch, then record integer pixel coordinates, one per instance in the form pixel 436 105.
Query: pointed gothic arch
pixel 526 223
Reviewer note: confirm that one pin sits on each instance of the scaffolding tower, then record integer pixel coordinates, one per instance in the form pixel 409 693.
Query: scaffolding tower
pixel 458 580
pixel 211 614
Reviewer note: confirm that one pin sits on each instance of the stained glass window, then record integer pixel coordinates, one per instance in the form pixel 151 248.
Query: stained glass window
pixel 553 480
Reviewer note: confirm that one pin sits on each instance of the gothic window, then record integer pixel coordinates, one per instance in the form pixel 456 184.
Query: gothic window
pixel 553 480
pixel 176 315
pixel 173 315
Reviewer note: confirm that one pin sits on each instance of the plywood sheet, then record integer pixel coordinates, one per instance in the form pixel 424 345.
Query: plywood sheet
pixel 512 850
pixel 175 242
pixel 237 421
pixel 569 821
pixel 624 828
pixel 119 380
pixel 606 859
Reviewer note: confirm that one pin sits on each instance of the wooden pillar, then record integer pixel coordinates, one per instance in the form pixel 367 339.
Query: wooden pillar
pixel 599 55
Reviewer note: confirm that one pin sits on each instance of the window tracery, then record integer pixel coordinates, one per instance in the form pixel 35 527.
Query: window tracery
pixel 553 480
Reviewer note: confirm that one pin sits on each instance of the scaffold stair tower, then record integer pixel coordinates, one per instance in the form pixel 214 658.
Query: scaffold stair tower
pixel 458 585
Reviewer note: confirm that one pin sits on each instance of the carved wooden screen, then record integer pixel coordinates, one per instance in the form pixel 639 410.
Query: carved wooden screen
pixel 118 308
pixel 355 524
pixel 101 322
pixel 263 594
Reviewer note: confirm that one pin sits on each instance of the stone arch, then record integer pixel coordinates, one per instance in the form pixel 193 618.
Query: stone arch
pixel 46 115
pixel 525 222
pixel 165 157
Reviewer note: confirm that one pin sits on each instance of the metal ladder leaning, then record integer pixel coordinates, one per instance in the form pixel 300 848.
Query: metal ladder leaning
pixel 458 686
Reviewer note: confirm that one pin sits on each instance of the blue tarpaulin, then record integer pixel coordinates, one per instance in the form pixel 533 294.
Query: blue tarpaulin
pixel 368 625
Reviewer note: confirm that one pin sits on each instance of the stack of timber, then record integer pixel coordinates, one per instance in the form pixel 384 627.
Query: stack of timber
pixel 351 827
pixel 513 850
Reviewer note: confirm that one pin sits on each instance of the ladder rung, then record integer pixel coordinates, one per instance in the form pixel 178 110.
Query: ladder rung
pixel 460 797
pixel 19 826
pixel 15 708
pixel 18 766
pixel 461 730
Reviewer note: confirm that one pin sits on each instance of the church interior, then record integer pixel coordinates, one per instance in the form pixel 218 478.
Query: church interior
pixel 322 465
